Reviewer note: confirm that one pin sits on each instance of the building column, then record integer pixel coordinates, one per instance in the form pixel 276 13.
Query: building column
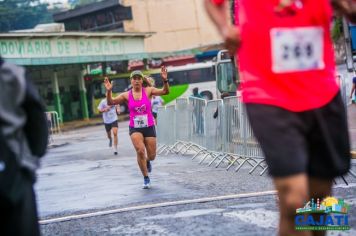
pixel 83 96
pixel 56 97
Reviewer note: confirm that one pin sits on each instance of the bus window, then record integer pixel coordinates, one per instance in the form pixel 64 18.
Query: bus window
pixel 119 85
pixel 195 76
pixel 208 74
pixel 178 77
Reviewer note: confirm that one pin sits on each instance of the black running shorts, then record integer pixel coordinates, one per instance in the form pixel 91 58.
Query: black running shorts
pixel 109 126
pixel 314 142
pixel 146 131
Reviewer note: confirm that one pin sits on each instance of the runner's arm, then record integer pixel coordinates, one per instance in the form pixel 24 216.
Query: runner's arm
pixel 165 89
pixel 110 100
pixel 218 13
pixel 118 100
pixel 105 109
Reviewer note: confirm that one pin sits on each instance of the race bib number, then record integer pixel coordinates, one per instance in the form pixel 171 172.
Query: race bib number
pixel 140 121
pixel 297 49
pixel 111 113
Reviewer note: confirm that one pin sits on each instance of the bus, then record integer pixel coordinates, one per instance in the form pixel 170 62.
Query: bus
pixel 182 80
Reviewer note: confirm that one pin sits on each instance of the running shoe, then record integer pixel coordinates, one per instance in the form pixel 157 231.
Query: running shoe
pixel 146 182
pixel 149 166
pixel 110 142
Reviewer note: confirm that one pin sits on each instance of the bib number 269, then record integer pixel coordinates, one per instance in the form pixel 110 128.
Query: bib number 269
pixel 297 49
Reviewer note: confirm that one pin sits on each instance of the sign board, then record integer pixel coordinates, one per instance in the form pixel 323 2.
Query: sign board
pixel 51 48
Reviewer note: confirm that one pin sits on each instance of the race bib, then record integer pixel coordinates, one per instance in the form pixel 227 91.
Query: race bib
pixel 111 113
pixel 297 49
pixel 140 121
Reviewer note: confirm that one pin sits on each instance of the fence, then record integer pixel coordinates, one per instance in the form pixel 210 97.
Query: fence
pixel 53 122
pixel 217 132
pixel 345 89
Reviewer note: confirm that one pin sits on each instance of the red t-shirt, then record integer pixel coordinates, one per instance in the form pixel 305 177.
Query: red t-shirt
pixel 286 58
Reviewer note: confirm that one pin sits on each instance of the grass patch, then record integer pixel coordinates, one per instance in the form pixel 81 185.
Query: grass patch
pixel 175 92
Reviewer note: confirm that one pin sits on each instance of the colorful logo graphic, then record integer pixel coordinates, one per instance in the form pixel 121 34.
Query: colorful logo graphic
pixel 328 214
pixel 141 109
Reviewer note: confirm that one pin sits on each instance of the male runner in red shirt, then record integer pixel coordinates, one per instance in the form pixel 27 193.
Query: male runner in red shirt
pixel 293 102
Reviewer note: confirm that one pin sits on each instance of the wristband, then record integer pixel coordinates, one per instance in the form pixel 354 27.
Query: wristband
pixel 165 81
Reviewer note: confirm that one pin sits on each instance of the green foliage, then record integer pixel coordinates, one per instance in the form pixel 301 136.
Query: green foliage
pixel 23 14
pixel 336 31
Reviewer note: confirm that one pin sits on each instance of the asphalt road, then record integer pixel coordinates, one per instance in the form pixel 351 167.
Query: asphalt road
pixel 83 189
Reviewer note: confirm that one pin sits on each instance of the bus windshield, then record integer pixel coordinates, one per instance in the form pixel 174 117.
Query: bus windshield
pixel 227 79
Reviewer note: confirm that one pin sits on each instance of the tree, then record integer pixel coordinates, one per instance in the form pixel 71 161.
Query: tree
pixel 22 14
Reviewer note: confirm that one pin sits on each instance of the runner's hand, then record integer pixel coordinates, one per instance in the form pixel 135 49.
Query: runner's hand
pixel 232 39
pixel 346 7
pixel 164 73
pixel 107 84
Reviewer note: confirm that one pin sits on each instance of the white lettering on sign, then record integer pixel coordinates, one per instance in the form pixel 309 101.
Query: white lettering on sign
pixel 54 47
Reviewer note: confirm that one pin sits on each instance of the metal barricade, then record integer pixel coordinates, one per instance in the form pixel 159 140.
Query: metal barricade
pixel 53 123
pixel 165 128
pixel 197 119
pixel 217 129
pixel 213 122
pixel 182 125
pixel 239 139
pixel 233 137
pixel 197 114
pixel 345 88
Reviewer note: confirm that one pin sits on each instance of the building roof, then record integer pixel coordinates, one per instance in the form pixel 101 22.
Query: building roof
pixel 85 9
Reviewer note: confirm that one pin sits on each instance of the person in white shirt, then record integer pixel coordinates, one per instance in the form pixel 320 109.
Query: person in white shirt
pixel 110 121
pixel 156 102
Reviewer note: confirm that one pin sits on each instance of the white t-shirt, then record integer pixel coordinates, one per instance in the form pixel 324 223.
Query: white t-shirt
pixel 156 102
pixel 109 116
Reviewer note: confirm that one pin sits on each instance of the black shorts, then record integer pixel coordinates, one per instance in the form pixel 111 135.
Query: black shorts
pixel 146 132
pixel 154 115
pixel 109 126
pixel 314 142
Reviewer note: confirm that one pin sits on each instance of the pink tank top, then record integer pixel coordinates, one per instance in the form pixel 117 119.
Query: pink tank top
pixel 140 111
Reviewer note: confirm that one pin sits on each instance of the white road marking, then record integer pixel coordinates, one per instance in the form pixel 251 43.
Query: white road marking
pixel 156 205
pixel 167 204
